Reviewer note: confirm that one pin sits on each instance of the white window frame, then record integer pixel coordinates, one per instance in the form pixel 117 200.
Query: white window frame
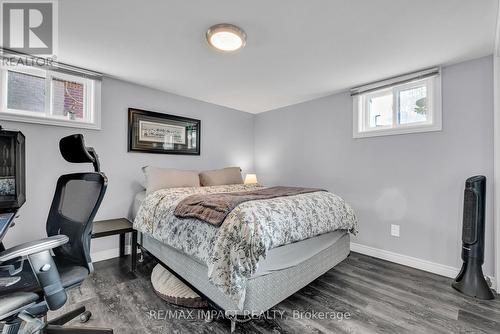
pixel 361 113
pixel 91 108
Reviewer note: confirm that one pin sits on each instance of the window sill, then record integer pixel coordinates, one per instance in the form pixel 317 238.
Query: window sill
pixel 7 116
pixel 397 131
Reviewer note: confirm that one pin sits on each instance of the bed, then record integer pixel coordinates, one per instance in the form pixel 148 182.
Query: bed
pixel 282 244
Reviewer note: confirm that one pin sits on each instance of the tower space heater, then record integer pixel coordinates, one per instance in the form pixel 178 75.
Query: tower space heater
pixel 470 281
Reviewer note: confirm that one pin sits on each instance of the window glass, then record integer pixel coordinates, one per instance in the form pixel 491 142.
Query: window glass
pixel 68 99
pixel 405 106
pixel 25 92
pixel 413 105
pixel 380 110
pixel 42 96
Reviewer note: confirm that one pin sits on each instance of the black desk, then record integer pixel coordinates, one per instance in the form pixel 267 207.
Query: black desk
pixel 119 226
pixel 6 221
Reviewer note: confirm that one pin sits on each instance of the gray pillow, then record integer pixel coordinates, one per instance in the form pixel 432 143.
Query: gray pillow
pixel 160 178
pixel 218 177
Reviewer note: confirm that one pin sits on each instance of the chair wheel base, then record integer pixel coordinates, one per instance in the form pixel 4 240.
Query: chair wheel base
pixel 85 316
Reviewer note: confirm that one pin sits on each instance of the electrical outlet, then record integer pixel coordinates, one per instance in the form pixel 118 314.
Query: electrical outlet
pixel 395 230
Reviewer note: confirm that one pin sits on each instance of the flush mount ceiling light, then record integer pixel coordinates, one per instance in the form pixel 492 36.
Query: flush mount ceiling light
pixel 226 37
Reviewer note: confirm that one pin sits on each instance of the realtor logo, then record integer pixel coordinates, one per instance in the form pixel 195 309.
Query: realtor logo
pixel 29 27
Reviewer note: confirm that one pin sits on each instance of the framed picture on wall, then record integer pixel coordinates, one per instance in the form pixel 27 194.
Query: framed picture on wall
pixel 155 132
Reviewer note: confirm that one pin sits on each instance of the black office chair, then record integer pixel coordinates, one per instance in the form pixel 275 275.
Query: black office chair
pixel 45 278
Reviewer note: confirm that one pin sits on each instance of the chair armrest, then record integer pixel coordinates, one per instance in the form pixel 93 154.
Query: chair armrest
pixel 33 247
pixel 10 266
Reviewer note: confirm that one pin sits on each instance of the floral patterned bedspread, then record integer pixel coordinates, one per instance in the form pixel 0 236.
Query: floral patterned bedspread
pixel 232 251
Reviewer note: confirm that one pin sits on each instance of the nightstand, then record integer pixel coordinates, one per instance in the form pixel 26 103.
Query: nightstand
pixel 119 226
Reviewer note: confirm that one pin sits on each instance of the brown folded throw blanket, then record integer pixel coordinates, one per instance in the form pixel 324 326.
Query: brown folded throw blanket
pixel 213 208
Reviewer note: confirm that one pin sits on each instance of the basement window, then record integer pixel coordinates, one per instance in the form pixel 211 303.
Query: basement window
pixel 36 95
pixel 405 104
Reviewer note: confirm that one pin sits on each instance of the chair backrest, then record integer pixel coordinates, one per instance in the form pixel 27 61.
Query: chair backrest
pixel 75 204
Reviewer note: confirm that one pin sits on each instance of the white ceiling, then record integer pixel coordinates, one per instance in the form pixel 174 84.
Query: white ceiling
pixel 297 50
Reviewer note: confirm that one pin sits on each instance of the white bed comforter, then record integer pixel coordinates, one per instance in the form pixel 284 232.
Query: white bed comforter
pixel 232 251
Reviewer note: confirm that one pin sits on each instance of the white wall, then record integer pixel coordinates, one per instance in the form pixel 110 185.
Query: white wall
pixel 226 140
pixel 414 180
pixel 496 122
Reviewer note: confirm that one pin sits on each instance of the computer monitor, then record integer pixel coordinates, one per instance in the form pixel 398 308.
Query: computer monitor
pixel 12 170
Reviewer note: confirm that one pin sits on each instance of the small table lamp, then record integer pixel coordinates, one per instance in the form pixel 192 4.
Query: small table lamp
pixel 251 179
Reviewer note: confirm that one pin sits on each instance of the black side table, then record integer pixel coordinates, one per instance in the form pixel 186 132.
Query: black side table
pixel 120 226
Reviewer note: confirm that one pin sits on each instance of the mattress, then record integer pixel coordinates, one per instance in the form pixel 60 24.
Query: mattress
pixel 281 257
pixel 267 288
pixel 138 198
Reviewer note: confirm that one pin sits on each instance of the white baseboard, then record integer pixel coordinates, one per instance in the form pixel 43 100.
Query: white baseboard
pixel 406 260
pixel 108 254
pixel 432 267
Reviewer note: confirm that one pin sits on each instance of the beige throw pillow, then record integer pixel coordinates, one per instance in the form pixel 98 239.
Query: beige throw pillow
pixel 160 178
pixel 218 177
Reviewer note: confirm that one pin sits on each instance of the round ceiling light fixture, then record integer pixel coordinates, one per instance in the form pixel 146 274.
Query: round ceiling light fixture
pixel 226 37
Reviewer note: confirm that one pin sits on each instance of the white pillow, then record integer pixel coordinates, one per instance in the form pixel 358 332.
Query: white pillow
pixel 218 177
pixel 160 178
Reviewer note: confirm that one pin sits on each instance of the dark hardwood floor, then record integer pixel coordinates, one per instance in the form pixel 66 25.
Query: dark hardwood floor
pixel 360 295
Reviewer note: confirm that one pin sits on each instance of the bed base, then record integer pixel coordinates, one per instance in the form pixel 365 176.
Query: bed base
pixel 262 293
pixel 198 292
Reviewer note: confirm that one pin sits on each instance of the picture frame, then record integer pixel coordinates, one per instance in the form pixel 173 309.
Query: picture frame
pixel 155 132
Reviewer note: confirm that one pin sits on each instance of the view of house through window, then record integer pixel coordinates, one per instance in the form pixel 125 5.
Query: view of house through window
pixel 67 99
pixel 39 96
